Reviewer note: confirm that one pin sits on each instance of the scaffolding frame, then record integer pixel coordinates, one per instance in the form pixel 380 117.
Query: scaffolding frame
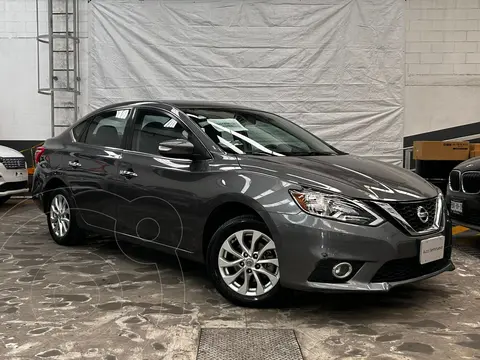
pixel 63 71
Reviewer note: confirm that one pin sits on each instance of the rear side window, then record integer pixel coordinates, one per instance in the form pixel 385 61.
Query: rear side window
pixel 79 129
pixel 108 128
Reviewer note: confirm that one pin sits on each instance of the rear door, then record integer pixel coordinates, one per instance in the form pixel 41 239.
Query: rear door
pixel 92 167
pixel 161 202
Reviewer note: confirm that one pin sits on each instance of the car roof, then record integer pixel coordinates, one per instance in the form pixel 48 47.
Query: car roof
pixel 181 104
pixel 204 104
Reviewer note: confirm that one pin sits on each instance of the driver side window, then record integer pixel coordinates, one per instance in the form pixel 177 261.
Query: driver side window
pixel 153 127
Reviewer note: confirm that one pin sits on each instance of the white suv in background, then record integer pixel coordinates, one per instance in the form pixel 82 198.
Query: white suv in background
pixel 13 173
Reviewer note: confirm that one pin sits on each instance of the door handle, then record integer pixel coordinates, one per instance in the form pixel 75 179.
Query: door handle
pixel 128 174
pixel 74 164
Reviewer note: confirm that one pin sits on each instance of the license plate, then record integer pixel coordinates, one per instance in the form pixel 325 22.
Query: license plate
pixel 432 249
pixel 456 207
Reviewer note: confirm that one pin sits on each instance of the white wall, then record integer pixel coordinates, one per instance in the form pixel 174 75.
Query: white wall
pixel 442 64
pixel 25 114
pixel 442 67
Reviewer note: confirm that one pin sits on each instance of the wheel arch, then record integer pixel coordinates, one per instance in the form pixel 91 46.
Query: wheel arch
pixel 229 207
pixel 52 184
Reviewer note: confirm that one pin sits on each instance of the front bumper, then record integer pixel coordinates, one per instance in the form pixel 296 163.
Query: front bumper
pixel 470 216
pixel 382 257
pixel 13 181
pixel 13 192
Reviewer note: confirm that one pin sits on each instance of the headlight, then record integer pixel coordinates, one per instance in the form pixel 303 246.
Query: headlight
pixel 335 207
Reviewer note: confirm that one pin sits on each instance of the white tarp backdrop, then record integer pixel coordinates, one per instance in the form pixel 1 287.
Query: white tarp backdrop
pixel 335 67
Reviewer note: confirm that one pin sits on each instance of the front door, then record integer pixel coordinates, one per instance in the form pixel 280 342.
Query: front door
pixel 160 194
pixel 92 164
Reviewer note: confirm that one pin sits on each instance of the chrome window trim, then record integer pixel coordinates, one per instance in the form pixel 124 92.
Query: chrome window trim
pixel 135 152
pixel 437 223
pixel 461 182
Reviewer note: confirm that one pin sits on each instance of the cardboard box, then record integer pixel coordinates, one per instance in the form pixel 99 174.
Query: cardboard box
pixel 474 153
pixel 474 147
pixel 441 150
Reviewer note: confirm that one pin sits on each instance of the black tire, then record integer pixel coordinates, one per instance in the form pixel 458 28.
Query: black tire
pixel 243 222
pixel 4 199
pixel 74 235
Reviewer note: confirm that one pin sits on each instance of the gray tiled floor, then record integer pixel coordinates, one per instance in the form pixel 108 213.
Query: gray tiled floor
pixel 95 302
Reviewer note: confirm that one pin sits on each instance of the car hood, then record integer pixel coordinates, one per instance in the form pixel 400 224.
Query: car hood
pixel 9 152
pixel 349 175
pixel 472 164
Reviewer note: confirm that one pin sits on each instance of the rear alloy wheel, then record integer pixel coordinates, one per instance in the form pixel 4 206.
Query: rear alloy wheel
pixel 60 215
pixel 61 219
pixel 244 262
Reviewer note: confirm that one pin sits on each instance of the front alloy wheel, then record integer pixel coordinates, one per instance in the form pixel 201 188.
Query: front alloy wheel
pixel 248 263
pixel 243 261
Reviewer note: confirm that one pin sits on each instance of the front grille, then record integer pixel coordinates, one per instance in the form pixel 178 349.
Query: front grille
pixel 13 186
pixel 410 268
pixel 454 180
pixel 14 163
pixel 471 182
pixel 409 212
pixel 323 271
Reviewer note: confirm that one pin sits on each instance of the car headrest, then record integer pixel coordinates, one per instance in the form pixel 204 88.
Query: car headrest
pixel 151 127
pixel 107 135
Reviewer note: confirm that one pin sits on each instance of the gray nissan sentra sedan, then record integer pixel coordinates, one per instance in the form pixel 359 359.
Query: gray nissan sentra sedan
pixel 262 202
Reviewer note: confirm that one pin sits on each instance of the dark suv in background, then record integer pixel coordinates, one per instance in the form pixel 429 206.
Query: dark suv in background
pixel 263 202
pixel 463 194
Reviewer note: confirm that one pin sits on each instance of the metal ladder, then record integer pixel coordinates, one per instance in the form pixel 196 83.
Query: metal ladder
pixel 63 84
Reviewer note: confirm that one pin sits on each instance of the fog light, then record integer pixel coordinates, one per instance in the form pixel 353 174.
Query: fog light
pixel 342 270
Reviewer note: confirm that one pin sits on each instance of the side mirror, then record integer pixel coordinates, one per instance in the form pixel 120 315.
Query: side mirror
pixel 179 148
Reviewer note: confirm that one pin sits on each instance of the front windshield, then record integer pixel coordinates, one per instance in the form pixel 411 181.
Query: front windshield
pixel 257 133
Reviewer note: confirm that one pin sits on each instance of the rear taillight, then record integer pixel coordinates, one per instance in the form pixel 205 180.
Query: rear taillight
pixel 38 154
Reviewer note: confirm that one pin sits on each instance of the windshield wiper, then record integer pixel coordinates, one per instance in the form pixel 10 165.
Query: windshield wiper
pixel 309 153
